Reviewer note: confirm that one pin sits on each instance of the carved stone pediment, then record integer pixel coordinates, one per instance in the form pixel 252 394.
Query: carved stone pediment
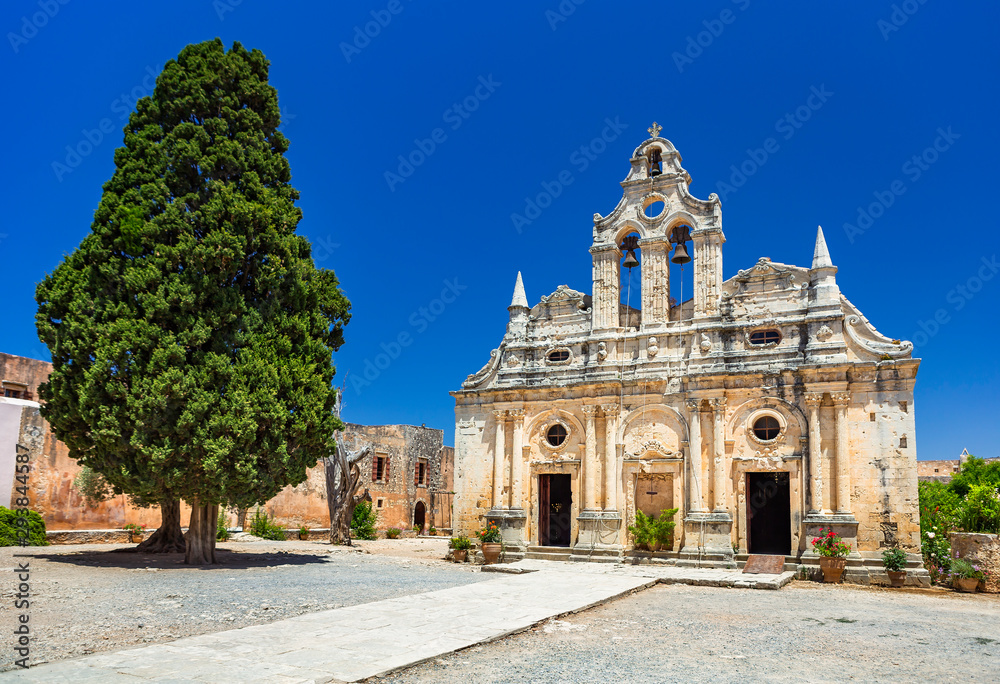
pixel 563 293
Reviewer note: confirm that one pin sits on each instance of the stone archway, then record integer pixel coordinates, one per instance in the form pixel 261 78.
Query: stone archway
pixel 420 515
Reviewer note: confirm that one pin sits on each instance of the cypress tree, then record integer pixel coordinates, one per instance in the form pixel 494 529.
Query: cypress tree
pixel 191 333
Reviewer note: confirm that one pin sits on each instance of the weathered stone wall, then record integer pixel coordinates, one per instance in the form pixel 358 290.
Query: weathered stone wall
pixel 983 549
pixel 62 507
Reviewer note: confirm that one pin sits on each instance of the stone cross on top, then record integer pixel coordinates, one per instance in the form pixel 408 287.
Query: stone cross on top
pixel 655 129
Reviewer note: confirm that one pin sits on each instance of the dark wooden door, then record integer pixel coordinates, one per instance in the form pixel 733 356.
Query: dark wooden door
pixel 555 504
pixel 769 513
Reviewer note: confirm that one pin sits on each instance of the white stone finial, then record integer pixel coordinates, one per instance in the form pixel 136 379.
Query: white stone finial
pixel 519 299
pixel 654 130
pixel 821 255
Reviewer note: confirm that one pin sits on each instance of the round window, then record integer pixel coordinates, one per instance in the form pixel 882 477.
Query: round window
pixel 559 355
pixel 556 435
pixel 766 428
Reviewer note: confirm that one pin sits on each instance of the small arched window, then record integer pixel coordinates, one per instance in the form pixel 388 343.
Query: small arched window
pixel 766 428
pixel 558 355
pixel 762 337
pixel 556 435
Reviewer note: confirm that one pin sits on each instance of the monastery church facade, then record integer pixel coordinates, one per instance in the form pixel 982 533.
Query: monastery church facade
pixel 763 408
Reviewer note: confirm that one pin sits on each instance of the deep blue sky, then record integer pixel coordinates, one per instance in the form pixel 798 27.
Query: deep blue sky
pixel 395 250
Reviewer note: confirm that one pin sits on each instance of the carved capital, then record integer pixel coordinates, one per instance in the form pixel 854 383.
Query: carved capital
pixel 813 399
pixel 500 415
pixel 589 410
pixel 693 404
pixel 718 404
pixel 840 398
pixel 516 414
pixel 609 410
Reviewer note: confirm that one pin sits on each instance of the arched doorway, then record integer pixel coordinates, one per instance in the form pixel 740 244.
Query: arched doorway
pixel 419 515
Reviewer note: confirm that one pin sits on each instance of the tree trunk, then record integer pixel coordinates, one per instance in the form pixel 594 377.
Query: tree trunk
pixel 241 518
pixel 168 538
pixel 201 534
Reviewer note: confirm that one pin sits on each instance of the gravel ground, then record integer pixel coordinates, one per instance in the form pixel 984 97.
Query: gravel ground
pixel 98 597
pixel 805 632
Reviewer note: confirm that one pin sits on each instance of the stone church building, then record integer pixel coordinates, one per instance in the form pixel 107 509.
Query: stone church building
pixel 763 407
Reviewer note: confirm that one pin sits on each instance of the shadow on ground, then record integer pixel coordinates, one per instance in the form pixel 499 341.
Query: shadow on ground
pixel 227 559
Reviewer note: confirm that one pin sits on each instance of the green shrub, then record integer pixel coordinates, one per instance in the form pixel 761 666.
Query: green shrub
pixel 9 528
pixel 363 521
pixel 92 486
pixel 221 528
pixel 460 543
pixel 417 529
pixel 261 525
pixel 432 530
pixel 648 530
pixel 980 509
pixel 894 559
pixel 393 533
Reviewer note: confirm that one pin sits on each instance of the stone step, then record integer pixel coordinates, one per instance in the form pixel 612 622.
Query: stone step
pixel 558 553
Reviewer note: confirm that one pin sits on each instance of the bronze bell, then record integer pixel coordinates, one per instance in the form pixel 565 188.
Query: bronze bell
pixel 681 255
pixel 655 162
pixel 630 244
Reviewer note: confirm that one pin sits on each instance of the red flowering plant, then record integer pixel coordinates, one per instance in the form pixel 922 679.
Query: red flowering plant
pixel 490 534
pixel 132 528
pixel 829 544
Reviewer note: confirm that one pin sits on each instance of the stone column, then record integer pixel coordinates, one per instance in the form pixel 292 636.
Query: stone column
pixel 719 451
pixel 517 459
pixel 590 460
pixel 840 402
pixel 606 287
pixel 655 281
pixel 694 455
pixel 813 401
pixel 499 447
pixel 610 458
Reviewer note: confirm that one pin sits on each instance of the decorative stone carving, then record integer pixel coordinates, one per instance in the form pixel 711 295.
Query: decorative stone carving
pixel 705 344
pixel 652 349
pixel 824 333
pixel 512 360
pixel 840 398
pixel 485 371
pixel 602 351
pixel 882 347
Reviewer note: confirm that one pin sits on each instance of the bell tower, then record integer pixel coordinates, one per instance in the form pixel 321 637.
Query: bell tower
pixel 657 206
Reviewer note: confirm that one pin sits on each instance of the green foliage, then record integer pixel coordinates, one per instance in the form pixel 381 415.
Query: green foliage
pixel 963 569
pixel 35 535
pixel 393 533
pixel 894 559
pixel 222 527
pixel 490 534
pixel 649 531
pixel 363 521
pixel 134 528
pixel 980 509
pixel 303 531
pixel 262 525
pixel 432 530
pixel 417 529
pixel 975 471
pixel 92 486
pixel 460 543
pixel 191 333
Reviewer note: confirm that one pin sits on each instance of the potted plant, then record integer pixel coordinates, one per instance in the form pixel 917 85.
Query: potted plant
pixel 965 576
pixel 393 533
pixel 490 543
pixel 833 554
pixel 134 532
pixel 432 530
pixel 303 533
pixel 894 562
pixel 460 548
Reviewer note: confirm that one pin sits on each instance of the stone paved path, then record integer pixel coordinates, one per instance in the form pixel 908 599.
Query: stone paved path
pixel 354 643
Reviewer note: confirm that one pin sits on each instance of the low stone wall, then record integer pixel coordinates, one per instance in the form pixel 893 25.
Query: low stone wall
pixel 90 536
pixel 983 549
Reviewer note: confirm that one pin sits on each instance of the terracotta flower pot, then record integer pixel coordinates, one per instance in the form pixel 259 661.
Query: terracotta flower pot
pixel 966 584
pixel 459 555
pixel 304 537
pixel 897 578
pixel 491 553
pixel 134 538
pixel 832 568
